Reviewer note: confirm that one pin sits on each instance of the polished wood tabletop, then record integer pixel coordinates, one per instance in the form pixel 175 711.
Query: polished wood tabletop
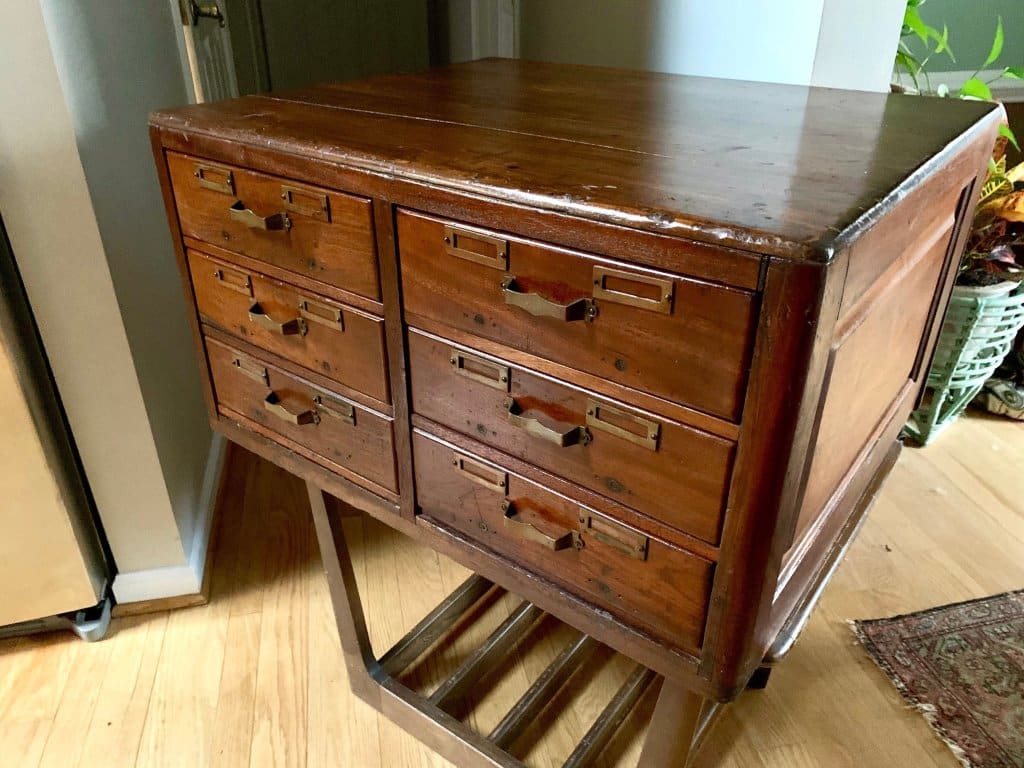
pixel 778 169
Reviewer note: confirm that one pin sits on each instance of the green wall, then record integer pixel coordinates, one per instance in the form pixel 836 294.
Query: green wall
pixel 972 26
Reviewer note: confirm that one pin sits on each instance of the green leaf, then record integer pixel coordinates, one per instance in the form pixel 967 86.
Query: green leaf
pixel 943 44
pixel 997 45
pixel 908 62
pixel 1007 132
pixel 992 166
pixel 975 89
pixel 912 19
pixel 1017 73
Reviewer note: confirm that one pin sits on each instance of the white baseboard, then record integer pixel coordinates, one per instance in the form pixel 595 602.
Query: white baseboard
pixel 156 583
pixel 176 580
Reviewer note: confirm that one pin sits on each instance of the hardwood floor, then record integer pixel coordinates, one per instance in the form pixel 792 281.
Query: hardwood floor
pixel 255 678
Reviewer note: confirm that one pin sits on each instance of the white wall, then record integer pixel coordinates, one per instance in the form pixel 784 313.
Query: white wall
pixel 857 43
pixel 825 42
pixel 81 204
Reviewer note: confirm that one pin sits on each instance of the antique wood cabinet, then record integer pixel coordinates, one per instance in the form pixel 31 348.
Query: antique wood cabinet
pixel 635 347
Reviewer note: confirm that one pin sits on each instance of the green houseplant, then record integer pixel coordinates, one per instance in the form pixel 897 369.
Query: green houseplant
pixel 986 310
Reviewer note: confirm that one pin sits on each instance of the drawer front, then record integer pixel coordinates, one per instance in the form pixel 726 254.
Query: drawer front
pixel 333 339
pixel 664 469
pixel 338 431
pixel 326 236
pixel 642 580
pixel 678 338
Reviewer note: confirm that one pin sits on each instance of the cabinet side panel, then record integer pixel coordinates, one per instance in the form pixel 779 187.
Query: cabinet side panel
pixel 897 288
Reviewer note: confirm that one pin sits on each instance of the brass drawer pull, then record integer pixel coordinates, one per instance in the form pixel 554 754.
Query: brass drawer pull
pixel 306 202
pixel 481 474
pixel 634 289
pixel 643 432
pixel 251 219
pixel 252 369
pixel 285 328
pixel 477 247
pixel 336 409
pixel 216 178
pixel 524 530
pixel 325 314
pixel 534 428
pixel 272 404
pixel 233 280
pixel 539 306
pixel 479 369
pixel 631 543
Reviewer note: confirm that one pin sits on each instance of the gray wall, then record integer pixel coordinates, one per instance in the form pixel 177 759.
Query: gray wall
pixel 972 26
pixel 118 60
pixel 49 213
pixel 317 41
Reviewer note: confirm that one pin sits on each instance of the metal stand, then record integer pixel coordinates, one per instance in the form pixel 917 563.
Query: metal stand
pixel 681 719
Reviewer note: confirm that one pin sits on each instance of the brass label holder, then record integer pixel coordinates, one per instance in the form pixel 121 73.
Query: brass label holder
pixel 215 177
pixel 306 202
pixel 628 541
pixel 233 280
pixel 250 368
pixel 336 409
pixel 478 369
pixel 648 431
pixel 493 253
pixel 662 290
pixel 481 474
pixel 324 314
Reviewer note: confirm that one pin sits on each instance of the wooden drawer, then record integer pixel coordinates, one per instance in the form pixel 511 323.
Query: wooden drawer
pixel 333 339
pixel 326 236
pixel 682 339
pixel 660 467
pixel 644 581
pixel 338 432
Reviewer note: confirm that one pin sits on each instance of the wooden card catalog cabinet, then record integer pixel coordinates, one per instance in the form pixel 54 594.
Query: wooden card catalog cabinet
pixel 635 347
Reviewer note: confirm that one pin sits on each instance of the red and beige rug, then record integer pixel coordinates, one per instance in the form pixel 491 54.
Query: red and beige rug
pixel 962 667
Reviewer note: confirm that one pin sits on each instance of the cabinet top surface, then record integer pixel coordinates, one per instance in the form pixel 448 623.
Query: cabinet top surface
pixel 786 170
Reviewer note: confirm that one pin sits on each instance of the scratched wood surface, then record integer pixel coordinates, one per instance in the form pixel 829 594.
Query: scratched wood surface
pixel 770 167
pixel 255 678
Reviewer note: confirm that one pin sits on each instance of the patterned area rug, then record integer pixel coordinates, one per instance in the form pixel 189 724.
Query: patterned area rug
pixel 962 667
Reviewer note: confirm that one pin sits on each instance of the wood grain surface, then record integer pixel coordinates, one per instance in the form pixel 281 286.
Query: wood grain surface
pixel 696 353
pixel 661 589
pixel 679 477
pixel 329 338
pixel 774 168
pixel 332 245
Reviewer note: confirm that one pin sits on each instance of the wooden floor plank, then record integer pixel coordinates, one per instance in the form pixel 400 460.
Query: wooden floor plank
pixel 115 731
pixel 256 677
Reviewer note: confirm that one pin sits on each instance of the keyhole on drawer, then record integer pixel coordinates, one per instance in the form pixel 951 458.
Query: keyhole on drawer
pixel 225 234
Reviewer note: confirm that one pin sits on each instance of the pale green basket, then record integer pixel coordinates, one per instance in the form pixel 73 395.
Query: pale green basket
pixel 976 336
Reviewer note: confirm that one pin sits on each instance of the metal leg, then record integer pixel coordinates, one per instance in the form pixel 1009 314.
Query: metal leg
pixel 348 609
pixel 670 738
